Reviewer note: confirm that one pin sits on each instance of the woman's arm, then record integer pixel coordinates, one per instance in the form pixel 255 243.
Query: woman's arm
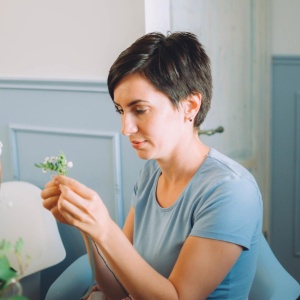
pixel 106 281
pixel 201 265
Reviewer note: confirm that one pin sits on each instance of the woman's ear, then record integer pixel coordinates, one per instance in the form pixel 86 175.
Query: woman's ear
pixel 192 105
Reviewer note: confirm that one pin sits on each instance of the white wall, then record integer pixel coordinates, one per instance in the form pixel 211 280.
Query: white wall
pixel 157 15
pixel 236 36
pixel 65 39
pixel 285 27
pixel 74 39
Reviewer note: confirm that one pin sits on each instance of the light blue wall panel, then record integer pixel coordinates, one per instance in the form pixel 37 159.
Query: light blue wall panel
pixel 297 176
pixel 40 118
pixel 101 153
pixel 285 181
pixel 62 106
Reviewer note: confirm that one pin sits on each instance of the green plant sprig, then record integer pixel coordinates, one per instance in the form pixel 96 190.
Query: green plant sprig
pixel 58 164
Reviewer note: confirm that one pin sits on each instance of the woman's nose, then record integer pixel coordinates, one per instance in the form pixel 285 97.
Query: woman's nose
pixel 128 125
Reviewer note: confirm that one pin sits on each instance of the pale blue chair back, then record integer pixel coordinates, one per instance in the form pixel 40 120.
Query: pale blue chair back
pixel 272 281
pixel 73 282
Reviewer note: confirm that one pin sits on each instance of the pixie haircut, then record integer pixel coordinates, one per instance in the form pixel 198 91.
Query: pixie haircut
pixel 176 65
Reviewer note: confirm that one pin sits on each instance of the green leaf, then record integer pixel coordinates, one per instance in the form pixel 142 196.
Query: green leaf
pixel 4 263
pixel 6 273
pixel 2 244
pixel 19 245
pixel 6 246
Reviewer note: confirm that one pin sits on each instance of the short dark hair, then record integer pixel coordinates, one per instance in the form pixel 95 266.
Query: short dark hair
pixel 176 65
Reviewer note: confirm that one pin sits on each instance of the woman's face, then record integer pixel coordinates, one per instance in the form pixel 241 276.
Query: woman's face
pixel 149 119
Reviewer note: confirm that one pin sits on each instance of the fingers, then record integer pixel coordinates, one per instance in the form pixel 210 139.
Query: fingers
pixel 50 192
pixel 70 200
pixel 75 186
pixel 50 183
pixel 77 204
pixel 50 195
pixel 58 216
pixel 72 207
pixel 50 202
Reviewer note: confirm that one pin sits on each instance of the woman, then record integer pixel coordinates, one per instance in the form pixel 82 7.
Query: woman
pixel 194 225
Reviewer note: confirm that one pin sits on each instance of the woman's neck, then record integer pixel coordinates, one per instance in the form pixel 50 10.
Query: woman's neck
pixel 184 161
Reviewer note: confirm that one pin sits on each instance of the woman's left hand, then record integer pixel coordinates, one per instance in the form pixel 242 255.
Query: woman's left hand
pixel 82 207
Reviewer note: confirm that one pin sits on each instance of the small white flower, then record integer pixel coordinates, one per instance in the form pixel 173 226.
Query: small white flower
pixel 53 159
pixel 46 160
pixel 70 164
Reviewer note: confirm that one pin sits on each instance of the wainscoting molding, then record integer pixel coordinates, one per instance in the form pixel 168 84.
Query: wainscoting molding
pixel 283 60
pixel 20 135
pixel 57 85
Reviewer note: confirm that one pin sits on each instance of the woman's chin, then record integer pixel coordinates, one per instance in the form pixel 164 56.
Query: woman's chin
pixel 144 155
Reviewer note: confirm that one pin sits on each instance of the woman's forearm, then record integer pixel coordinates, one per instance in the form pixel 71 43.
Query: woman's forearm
pixel 106 280
pixel 135 274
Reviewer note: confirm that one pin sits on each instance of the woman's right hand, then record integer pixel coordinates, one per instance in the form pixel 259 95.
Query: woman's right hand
pixel 51 194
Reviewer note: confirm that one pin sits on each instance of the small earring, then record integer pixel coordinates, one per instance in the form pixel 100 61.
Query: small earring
pixel 191 119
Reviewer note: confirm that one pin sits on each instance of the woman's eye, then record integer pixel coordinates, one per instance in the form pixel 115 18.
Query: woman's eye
pixel 140 111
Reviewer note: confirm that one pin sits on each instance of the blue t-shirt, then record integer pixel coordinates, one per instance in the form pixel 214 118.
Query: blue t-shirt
pixel 222 201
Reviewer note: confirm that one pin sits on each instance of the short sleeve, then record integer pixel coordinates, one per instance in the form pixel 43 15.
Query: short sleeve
pixel 230 212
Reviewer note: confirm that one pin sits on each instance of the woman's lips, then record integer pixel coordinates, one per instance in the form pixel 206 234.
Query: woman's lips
pixel 138 144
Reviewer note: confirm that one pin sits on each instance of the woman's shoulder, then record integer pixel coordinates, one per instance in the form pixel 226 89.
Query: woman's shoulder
pixel 226 166
pixel 221 174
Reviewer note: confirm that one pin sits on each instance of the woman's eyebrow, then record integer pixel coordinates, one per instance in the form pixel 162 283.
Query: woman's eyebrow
pixel 131 103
